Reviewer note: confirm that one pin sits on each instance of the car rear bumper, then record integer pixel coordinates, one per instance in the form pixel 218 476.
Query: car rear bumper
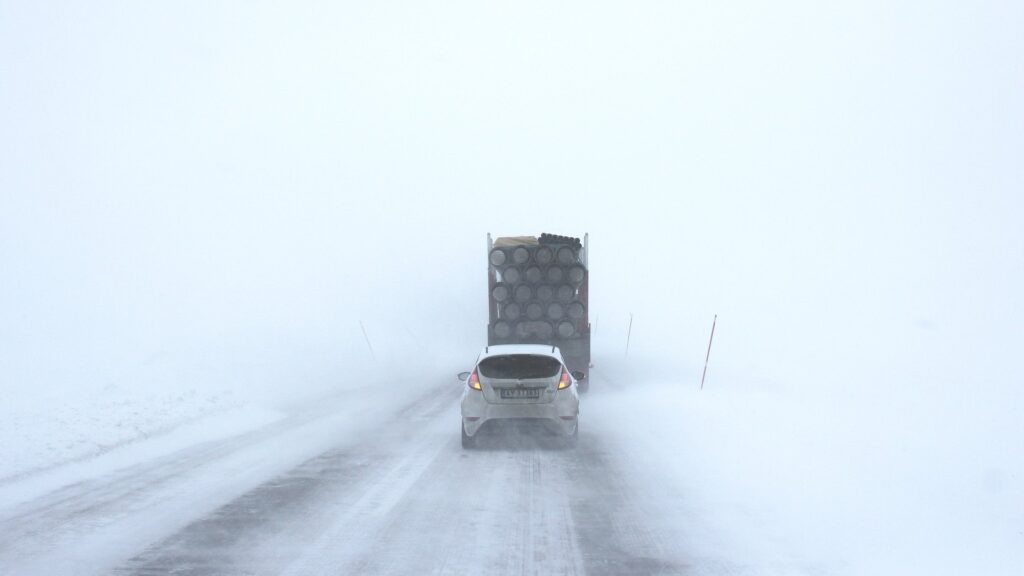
pixel 561 414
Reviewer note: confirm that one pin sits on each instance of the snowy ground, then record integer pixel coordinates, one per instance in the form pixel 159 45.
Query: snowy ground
pixel 666 480
pixel 50 430
pixel 831 483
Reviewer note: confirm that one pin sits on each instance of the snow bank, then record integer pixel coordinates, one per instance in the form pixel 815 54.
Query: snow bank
pixel 188 397
pixel 44 431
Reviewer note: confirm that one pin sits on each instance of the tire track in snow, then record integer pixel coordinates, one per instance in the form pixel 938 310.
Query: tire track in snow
pixel 409 500
pixel 265 529
pixel 86 527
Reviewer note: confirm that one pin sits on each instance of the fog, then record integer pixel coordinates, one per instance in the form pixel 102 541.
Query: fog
pixel 223 196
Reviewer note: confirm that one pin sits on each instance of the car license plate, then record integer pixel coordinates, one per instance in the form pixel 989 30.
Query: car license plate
pixel 516 393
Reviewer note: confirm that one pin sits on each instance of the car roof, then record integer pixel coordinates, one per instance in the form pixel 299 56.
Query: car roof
pixel 507 349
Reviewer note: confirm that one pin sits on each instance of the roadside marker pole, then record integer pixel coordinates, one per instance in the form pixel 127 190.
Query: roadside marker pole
pixel 629 332
pixel 713 322
pixel 368 345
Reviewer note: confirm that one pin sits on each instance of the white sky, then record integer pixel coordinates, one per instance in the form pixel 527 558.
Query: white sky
pixel 841 183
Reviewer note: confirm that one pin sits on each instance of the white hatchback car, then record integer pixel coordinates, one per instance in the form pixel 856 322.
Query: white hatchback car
pixel 520 382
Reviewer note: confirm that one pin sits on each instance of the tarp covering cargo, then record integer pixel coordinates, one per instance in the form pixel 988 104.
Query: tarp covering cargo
pixel 516 241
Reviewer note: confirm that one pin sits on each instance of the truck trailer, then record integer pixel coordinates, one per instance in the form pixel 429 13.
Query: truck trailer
pixel 538 292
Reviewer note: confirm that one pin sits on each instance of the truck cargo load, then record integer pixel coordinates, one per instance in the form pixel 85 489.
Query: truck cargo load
pixel 538 292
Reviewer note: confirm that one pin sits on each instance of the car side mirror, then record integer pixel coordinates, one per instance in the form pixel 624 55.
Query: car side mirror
pixel 578 374
pixel 463 376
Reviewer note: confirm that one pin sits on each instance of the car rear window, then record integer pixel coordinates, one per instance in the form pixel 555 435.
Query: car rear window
pixel 520 366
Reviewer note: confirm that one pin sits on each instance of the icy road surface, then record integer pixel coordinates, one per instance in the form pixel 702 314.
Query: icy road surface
pixel 399 496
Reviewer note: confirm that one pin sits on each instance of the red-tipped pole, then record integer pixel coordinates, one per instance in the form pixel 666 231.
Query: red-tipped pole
pixel 713 322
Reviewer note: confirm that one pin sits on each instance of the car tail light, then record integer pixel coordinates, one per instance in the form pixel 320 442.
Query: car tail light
pixel 564 383
pixel 474 381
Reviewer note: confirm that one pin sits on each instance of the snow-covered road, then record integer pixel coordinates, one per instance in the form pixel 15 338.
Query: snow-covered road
pixel 321 492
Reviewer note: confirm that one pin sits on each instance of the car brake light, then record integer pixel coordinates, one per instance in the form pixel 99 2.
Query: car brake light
pixel 474 381
pixel 566 380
